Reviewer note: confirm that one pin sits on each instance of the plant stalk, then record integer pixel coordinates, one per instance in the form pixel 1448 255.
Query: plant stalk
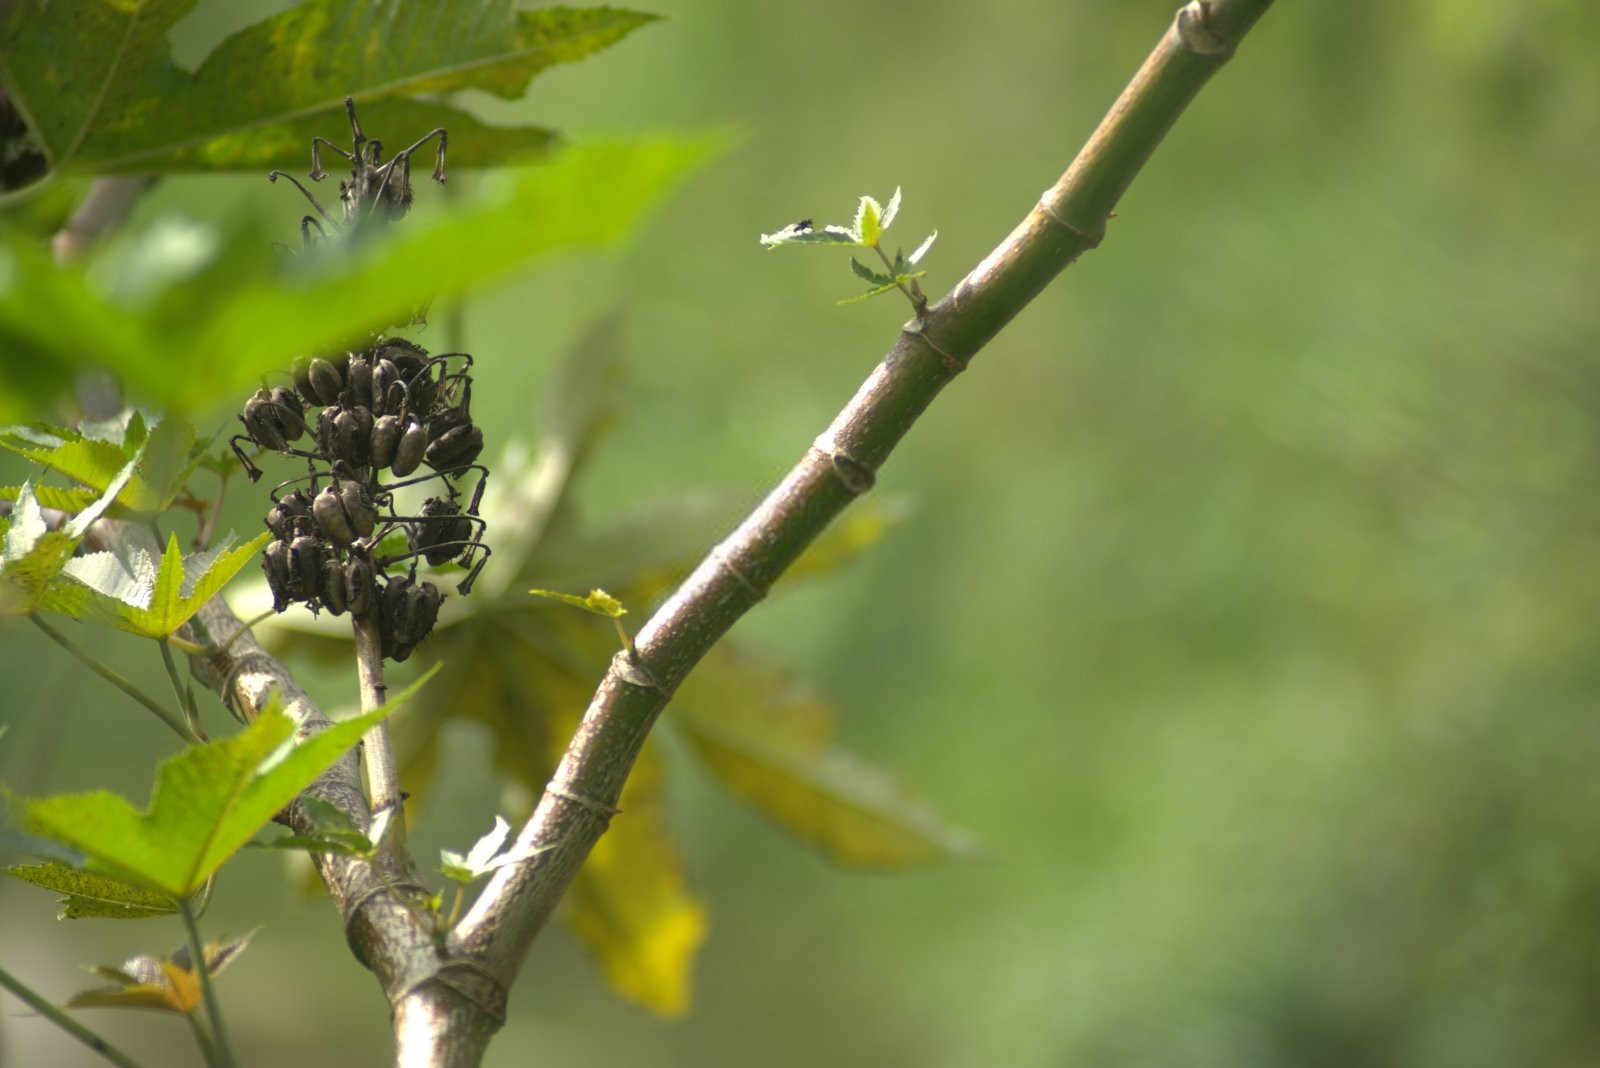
pixel 117 679
pixel 377 754
pixel 197 956
pixel 842 464
pixel 59 1017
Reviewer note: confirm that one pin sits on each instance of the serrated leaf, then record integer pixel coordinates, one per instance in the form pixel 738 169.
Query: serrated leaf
pixel 484 857
pixel 32 555
pixel 208 802
pixel 894 283
pixel 892 210
pixel 828 235
pixel 922 249
pixel 254 305
pixel 61 498
pixel 89 894
pixel 94 77
pixel 334 831
pixel 91 462
pixel 868 274
pixel 868 223
pixel 772 746
pixel 158 609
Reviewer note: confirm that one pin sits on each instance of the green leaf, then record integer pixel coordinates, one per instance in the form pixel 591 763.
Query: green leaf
pixel 598 602
pixel 334 831
pixel 868 223
pixel 771 746
pixel 254 306
pixel 894 283
pixel 152 606
pixel 93 462
pixel 795 234
pixel 208 801
pixel 868 274
pixel 99 86
pixel 62 499
pixel 88 894
pixel 32 555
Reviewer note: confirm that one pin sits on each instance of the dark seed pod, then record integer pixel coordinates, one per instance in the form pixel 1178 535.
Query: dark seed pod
pixel 326 381
pixel 280 576
pixel 301 371
pixel 358 379
pixel 455 448
pixel 385 376
pixel 259 426
pixel 443 535
pixel 422 610
pixel 412 447
pixel 358 507
pixel 421 389
pixel 328 508
pixel 305 560
pixel 361 591
pixel 284 516
pixel 386 430
pixel 335 597
pixel 352 436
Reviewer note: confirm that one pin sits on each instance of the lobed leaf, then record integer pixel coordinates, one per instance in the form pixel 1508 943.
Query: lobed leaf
pixel 88 894
pixel 101 90
pixel 208 802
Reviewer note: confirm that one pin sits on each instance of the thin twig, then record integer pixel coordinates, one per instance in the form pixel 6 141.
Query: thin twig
pixel 197 957
pixel 842 464
pixel 116 679
pixel 66 1023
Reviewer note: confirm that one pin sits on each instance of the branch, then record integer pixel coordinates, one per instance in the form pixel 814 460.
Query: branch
pixel 448 1006
pixel 841 465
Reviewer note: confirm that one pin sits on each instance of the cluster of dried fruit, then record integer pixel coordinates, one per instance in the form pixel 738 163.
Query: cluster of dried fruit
pixel 384 411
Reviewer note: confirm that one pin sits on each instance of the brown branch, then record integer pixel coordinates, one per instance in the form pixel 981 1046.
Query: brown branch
pixel 841 465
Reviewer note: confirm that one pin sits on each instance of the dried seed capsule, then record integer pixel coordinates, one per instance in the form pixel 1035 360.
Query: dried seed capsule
pixel 352 436
pixel 385 376
pixel 282 517
pixel 301 372
pixel 386 431
pixel 409 452
pixel 305 561
pixel 259 427
pixel 326 381
pixel 361 591
pixel 328 508
pixel 280 576
pixel 455 448
pixel 443 535
pixel 358 507
pixel 335 596
pixel 358 379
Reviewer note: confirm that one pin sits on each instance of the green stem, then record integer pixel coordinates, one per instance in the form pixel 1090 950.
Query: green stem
pixel 185 694
pixel 918 299
pixel 223 1055
pixel 65 1022
pixel 116 679
pixel 202 1038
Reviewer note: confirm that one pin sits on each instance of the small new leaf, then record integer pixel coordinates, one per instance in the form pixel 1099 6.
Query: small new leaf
pixel 893 283
pixel 166 984
pixel 868 274
pixel 868 223
pixel 334 831
pixel 484 856
pixel 922 249
pixel 795 234
pixel 598 601
pixel 892 210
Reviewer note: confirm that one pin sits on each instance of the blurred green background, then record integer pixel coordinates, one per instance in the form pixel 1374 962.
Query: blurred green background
pixel 1245 612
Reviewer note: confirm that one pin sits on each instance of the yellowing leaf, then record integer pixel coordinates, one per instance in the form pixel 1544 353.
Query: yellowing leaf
pixel 630 904
pixel 773 749
pixel 166 984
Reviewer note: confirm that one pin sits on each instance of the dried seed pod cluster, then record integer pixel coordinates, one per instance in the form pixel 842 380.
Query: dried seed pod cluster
pixel 365 424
